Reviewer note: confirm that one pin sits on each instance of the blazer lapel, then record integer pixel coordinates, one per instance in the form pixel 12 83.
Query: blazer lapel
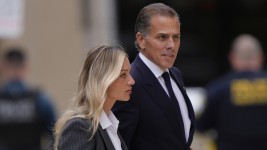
pixel 106 138
pixel 156 91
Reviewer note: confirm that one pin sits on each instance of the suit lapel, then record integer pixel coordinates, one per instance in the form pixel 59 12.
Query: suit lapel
pixel 123 145
pixel 188 103
pixel 106 138
pixel 151 84
pixel 187 100
pixel 156 91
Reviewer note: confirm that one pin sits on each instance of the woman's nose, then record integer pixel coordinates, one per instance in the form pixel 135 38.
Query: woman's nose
pixel 131 81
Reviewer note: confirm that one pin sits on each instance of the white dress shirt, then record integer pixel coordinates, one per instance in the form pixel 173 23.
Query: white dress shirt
pixel 111 123
pixel 179 96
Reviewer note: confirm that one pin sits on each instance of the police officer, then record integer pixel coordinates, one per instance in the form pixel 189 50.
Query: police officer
pixel 237 102
pixel 26 113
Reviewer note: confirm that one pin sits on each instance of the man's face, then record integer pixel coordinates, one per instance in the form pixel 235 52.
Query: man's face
pixel 162 42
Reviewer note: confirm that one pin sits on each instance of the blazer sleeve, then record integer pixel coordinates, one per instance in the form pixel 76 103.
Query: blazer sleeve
pixel 76 136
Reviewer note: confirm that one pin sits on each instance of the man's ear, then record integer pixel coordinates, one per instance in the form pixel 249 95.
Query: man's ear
pixel 140 40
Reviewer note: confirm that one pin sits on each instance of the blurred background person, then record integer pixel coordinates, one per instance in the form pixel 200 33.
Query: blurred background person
pixel 237 102
pixel 26 113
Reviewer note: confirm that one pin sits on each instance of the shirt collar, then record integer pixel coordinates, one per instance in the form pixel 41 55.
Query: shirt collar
pixel 107 121
pixel 152 66
pixel 13 87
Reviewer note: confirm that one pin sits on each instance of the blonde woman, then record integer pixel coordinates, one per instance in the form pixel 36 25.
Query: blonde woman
pixel 90 124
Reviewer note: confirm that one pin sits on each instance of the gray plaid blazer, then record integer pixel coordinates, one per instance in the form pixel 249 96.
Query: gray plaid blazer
pixel 75 136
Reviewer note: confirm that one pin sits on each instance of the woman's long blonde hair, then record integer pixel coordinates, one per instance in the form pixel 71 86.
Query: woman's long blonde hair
pixel 101 67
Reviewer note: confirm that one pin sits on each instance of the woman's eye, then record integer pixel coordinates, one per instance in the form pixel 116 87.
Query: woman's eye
pixel 123 75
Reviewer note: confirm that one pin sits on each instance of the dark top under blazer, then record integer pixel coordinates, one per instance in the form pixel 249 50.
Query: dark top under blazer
pixel 147 121
pixel 75 136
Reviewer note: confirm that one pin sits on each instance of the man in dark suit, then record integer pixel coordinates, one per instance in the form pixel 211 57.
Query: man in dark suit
pixel 159 115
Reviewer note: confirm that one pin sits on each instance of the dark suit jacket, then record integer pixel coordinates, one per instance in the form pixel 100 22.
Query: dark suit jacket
pixel 148 120
pixel 75 136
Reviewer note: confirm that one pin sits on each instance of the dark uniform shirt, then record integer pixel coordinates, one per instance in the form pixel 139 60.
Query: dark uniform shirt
pixel 25 116
pixel 237 109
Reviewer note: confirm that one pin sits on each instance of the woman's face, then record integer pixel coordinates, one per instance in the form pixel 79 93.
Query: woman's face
pixel 121 88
